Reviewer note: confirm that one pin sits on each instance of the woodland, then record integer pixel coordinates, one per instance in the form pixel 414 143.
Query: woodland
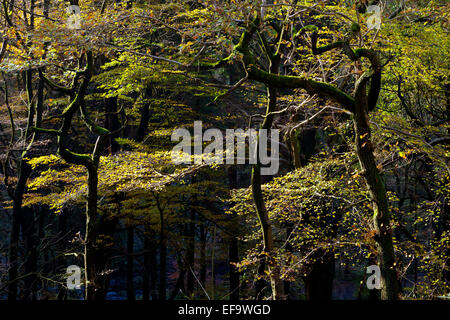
pixel 91 92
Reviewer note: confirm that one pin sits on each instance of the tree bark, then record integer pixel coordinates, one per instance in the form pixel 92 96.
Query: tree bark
pixel 61 261
pixel 112 123
pixel 130 264
pixel 377 191
pixel 150 276
pixel 145 116
pixel 191 254
pixel 162 268
pixel 23 173
pixel 264 221
pixel 162 253
pixel 28 227
pixel 179 285
pixel 93 287
pixel 234 273
pixel 233 249
pixel 203 255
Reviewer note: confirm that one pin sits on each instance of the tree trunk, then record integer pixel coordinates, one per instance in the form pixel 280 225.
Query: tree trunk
pixel 112 123
pixel 13 245
pixel 130 264
pixel 61 260
pixel 234 273
pixel 93 287
pixel 153 275
pixel 319 283
pixel 23 173
pixel 190 255
pixel 266 227
pixel 179 285
pixel 287 284
pixel 31 241
pixel 145 116
pixel 162 268
pixel 106 226
pixel 233 249
pixel 203 255
pixel 213 262
pixel 150 271
pixel 162 255
pixel 43 214
pixel 146 273
pixel 28 224
pixel 377 191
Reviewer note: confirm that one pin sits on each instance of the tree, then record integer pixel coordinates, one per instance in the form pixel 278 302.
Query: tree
pixel 359 105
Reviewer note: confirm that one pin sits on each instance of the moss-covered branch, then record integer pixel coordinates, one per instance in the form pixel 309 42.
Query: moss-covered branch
pixel 354 55
pixel 280 81
pixel 69 112
pixel 311 86
pixel 53 85
pixel 93 127
pixel 48 131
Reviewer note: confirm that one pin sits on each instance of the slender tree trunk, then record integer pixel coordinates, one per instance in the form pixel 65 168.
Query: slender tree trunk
pixel 112 123
pixel 162 269
pixel 28 218
pixel 150 276
pixel 93 290
pixel 43 214
pixel 106 226
pixel 213 262
pixel 377 190
pixel 234 273
pixel 203 255
pixel 287 284
pixel 145 115
pixel 12 254
pixel 264 221
pixel 233 249
pixel 31 241
pixel 23 173
pixel 162 254
pixel 191 255
pixel 146 273
pixel 130 264
pixel 153 275
pixel 179 285
pixel 61 260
